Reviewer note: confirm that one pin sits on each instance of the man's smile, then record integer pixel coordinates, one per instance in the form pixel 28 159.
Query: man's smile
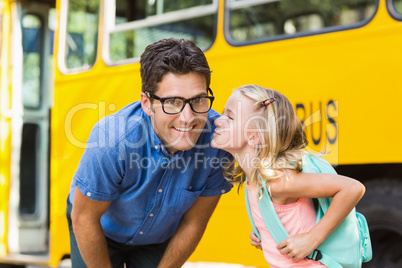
pixel 184 129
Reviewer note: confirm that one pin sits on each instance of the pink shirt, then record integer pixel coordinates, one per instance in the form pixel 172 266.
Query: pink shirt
pixel 298 217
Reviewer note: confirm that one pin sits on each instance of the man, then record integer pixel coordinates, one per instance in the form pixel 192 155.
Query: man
pixel 149 181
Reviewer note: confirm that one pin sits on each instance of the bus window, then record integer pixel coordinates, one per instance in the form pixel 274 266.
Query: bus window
pixel 252 20
pixel 303 23
pixel 31 25
pixel 136 24
pixel 82 33
pixel 28 169
pixel 397 6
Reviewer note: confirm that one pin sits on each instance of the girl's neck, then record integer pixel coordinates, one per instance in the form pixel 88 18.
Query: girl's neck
pixel 248 160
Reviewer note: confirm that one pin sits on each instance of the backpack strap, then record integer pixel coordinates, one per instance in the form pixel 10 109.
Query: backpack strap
pixel 249 213
pixel 270 217
pixel 325 259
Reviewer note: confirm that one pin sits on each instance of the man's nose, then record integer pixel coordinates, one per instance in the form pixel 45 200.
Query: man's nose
pixel 187 113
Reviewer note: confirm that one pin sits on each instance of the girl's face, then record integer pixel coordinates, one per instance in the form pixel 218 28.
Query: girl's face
pixel 232 132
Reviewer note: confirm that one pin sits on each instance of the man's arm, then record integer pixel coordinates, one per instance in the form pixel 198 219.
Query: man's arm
pixel 88 231
pixel 189 232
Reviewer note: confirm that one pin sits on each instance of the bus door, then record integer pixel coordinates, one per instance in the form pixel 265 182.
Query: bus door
pixel 28 225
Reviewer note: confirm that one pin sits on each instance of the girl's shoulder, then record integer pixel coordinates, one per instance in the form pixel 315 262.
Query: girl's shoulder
pixel 279 188
pixel 285 189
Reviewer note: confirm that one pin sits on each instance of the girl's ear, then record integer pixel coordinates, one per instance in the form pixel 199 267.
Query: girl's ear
pixel 146 104
pixel 253 139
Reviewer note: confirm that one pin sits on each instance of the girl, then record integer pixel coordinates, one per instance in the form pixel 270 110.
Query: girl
pixel 259 127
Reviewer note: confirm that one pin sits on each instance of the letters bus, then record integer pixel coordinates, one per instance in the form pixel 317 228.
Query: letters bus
pixel 67 63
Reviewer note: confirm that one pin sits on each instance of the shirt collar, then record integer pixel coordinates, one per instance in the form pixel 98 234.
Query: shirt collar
pixel 156 143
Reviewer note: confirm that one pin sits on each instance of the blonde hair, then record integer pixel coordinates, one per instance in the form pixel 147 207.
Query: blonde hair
pixel 281 134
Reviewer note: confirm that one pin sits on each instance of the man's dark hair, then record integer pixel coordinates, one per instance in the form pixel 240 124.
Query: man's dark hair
pixel 177 56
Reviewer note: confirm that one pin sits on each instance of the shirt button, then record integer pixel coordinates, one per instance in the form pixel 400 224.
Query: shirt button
pixel 156 147
pixel 223 191
pixel 190 187
pixel 141 232
pixel 160 190
pixel 130 242
pixel 88 194
pixel 151 214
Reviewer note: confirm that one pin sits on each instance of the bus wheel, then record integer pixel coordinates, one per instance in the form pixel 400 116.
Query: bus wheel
pixel 382 207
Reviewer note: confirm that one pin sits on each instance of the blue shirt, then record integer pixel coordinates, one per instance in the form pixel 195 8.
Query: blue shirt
pixel 150 190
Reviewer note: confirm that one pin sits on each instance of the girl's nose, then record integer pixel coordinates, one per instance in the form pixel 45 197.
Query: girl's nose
pixel 218 121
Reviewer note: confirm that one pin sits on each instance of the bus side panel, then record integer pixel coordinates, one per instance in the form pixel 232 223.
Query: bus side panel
pixel 5 125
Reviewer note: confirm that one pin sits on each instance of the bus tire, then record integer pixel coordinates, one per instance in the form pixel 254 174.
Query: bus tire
pixel 382 207
pixel 3 265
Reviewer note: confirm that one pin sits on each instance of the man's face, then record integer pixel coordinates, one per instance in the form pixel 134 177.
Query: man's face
pixel 178 132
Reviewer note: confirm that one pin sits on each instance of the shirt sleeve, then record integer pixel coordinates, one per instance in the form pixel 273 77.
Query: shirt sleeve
pixel 216 184
pixel 101 168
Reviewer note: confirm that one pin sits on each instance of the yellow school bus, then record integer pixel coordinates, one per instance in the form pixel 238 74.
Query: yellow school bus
pixel 66 64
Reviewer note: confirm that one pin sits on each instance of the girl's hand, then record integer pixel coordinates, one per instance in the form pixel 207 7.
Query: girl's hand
pixel 297 247
pixel 254 240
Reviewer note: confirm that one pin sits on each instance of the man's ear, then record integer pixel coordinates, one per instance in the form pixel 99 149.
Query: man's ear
pixel 146 104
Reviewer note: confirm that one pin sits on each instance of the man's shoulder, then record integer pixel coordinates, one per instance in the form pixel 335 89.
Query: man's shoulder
pixel 213 115
pixel 128 123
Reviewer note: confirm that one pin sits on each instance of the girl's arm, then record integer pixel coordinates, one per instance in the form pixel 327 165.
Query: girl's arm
pixel 346 193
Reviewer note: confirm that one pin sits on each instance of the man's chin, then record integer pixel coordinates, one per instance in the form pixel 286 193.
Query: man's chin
pixel 183 143
pixel 181 147
pixel 186 147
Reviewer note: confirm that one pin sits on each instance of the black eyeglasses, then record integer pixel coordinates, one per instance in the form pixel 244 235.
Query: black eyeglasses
pixel 174 105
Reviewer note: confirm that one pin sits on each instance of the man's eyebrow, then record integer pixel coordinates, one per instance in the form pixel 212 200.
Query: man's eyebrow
pixel 203 94
pixel 196 96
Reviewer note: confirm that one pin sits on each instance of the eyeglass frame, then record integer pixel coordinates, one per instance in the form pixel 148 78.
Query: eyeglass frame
pixel 185 101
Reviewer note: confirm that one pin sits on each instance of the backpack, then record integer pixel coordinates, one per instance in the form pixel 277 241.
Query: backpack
pixel 347 246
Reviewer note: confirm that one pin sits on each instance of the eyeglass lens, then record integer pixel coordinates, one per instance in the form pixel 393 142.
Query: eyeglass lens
pixel 199 105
